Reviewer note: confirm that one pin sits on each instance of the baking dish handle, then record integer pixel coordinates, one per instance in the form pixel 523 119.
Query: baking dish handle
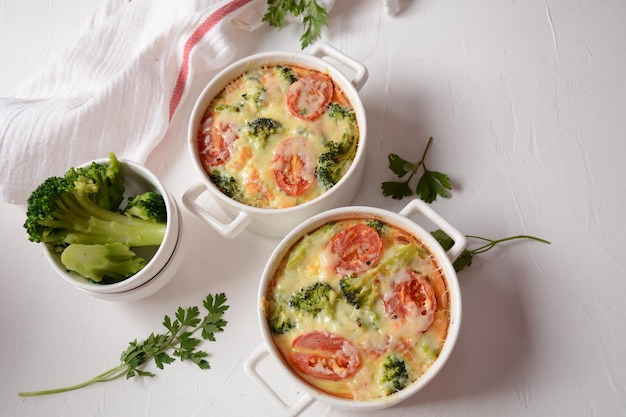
pixel 460 241
pixel 321 49
pixel 228 230
pixel 251 365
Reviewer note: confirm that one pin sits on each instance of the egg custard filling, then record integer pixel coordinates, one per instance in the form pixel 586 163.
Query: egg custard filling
pixel 358 308
pixel 278 136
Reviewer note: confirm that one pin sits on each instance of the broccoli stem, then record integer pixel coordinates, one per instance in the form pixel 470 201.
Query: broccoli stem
pixel 95 262
pixel 91 224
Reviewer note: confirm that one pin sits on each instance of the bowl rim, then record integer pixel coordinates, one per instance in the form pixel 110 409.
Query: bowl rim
pixel 237 68
pixel 417 231
pixel 158 259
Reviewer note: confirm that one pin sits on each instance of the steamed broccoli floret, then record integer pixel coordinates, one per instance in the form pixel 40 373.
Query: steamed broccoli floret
pixel 261 128
pixel 61 211
pixel 278 320
pixel 147 206
pixel 104 183
pixel 394 375
pixel 337 111
pixel 314 299
pixel 114 261
pixel 334 162
pixel 227 184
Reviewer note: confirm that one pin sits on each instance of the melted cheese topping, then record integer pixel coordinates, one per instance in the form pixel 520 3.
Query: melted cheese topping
pixel 371 329
pixel 230 148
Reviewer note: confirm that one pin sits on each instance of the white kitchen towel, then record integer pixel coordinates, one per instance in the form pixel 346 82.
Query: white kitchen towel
pixel 116 88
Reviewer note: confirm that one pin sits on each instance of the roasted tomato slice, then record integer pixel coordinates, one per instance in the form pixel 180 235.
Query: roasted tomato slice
pixel 412 298
pixel 308 97
pixel 324 355
pixel 215 142
pixel 294 166
pixel 355 250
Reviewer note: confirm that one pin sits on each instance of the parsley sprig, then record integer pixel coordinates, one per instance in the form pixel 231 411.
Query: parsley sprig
pixel 467 256
pixel 178 341
pixel 430 185
pixel 312 14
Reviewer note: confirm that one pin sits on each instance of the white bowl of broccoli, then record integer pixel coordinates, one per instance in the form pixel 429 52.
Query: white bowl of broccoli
pixel 108 226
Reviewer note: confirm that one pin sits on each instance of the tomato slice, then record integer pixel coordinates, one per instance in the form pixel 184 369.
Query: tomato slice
pixel 355 249
pixel 294 166
pixel 215 142
pixel 324 355
pixel 412 298
pixel 309 96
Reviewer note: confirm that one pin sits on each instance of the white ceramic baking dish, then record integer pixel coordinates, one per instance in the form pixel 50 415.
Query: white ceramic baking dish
pixel 401 220
pixel 277 222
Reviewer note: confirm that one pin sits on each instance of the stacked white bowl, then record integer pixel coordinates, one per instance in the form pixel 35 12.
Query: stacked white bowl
pixel 163 261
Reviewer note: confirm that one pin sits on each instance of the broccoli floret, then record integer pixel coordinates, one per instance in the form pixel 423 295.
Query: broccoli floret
pixel 363 290
pixel 110 262
pixel 227 184
pixel 104 183
pixel 278 320
pixel 257 97
pixel 337 111
pixel 61 211
pixel 287 74
pixel 360 291
pixel 261 128
pixel 394 375
pixel 333 163
pixel 147 206
pixel 376 225
pixel 235 108
pixel 303 246
pixel 314 299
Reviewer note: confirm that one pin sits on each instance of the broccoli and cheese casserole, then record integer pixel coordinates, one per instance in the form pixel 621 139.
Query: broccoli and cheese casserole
pixel 278 136
pixel 358 308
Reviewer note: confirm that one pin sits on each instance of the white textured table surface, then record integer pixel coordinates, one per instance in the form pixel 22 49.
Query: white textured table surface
pixel 526 104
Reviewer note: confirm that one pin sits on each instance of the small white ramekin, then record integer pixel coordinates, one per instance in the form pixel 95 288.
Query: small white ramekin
pixel 401 220
pixel 277 222
pixel 138 179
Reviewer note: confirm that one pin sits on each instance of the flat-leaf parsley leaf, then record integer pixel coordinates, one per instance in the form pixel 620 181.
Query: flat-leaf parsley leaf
pixel 313 17
pixel 178 341
pixel 430 185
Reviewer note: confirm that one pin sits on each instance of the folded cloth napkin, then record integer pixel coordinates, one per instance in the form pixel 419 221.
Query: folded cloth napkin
pixel 116 88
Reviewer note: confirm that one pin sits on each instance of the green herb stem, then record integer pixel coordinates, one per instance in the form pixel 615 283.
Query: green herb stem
pixel 109 375
pixel 493 243
pixel 430 140
pixel 178 337
pixel 430 184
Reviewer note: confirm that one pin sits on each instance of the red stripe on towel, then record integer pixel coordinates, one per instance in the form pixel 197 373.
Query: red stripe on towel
pixel 197 35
